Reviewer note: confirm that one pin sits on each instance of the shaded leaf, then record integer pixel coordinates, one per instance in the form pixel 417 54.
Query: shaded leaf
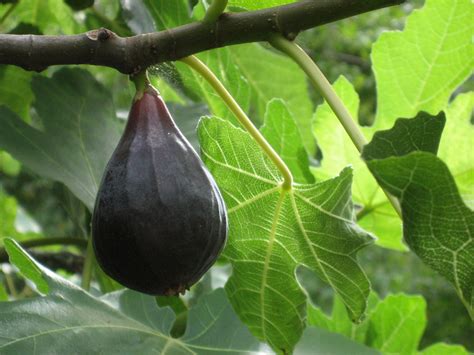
pixel 79 132
pixel 437 225
pixel 272 231
pixel 317 341
pixel 125 322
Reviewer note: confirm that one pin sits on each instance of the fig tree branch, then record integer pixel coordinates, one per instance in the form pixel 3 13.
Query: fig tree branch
pixel 132 54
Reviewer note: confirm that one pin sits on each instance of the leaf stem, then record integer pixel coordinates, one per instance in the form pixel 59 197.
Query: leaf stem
pixel 88 266
pixel 42 242
pixel 215 10
pixel 323 86
pixel 242 117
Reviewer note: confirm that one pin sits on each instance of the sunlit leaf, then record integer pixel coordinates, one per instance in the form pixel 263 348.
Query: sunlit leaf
pixel 419 68
pixel 273 230
pixel 460 156
pixel 282 133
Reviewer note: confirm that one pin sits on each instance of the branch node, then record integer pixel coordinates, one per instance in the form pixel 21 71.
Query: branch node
pixel 101 35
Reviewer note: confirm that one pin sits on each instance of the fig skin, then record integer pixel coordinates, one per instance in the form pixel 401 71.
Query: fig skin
pixel 159 221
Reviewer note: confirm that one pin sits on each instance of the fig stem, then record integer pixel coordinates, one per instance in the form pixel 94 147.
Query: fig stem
pixel 141 81
pixel 322 85
pixel 88 266
pixel 242 117
pixel 215 10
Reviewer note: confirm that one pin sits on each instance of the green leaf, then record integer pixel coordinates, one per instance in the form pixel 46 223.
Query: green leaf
pixel 397 324
pixel 125 322
pixel 459 156
pixel 282 133
pixel 407 135
pixel 8 219
pixel 27 266
pixel 169 14
pixel 9 165
pixel 419 68
pixel 339 322
pixel 51 16
pixel 254 5
pixel 317 341
pixel 3 293
pixel 79 132
pixel 223 64
pixel 271 75
pixel 220 61
pixel 437 225
pixel 15 90
pixel 272 231
pixel 393 326
pixel 443 349
pixel 376 214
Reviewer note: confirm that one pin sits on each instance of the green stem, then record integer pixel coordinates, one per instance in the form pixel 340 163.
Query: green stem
pixel 215 10
pixel 321 84
pixel 88 266
pixel 8 12
pixel 11 285
pixel 241 116
pixel 141 81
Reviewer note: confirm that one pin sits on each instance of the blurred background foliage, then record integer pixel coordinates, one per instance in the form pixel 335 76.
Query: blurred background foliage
pixel 34 207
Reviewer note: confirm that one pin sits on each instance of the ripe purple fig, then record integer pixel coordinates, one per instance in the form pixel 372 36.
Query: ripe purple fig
pixel 159 221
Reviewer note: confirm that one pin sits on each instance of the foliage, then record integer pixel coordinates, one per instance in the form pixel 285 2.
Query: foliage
pixel 62 125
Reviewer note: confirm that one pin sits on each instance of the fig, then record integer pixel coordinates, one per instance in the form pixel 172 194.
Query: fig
pixel 159 220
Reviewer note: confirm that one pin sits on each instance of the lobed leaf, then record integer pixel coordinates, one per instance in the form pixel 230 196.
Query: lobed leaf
pixel 272 231
pixel 419 68
pixel 437 225
pixel 78 136
pixel 124 322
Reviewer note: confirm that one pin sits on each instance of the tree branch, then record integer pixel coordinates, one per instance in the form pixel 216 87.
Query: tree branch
pixel 132 54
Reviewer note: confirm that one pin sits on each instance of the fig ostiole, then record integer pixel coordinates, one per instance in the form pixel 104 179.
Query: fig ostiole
pixel 159 221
